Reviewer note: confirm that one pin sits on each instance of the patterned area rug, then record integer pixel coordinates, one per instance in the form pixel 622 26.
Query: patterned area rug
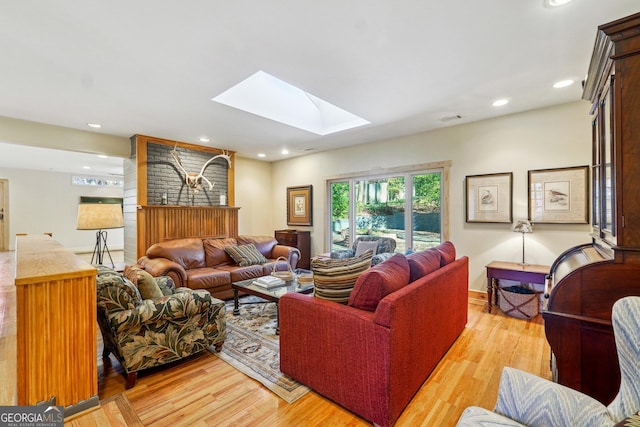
pixel 253 348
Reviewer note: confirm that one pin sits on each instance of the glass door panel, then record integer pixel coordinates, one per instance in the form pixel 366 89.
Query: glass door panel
pixel 380 208
pixel 607 156
pixel 340 215
pixel 426 210
pixel 595 179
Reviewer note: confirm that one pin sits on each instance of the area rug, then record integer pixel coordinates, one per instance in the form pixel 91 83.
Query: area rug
pixel 253 348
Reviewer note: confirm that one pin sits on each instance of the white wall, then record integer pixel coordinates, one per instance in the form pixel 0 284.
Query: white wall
pixel 41 202
pixel 253 196
pixel 546 138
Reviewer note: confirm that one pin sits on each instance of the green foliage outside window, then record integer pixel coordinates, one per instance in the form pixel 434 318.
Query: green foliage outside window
pixel 339 200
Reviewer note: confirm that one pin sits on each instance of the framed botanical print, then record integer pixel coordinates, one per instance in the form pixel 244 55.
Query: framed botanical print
pixel 559 195
pixel 299 205
pixel 489 197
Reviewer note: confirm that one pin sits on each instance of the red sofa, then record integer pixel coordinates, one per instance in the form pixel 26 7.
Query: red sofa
pixel 373 354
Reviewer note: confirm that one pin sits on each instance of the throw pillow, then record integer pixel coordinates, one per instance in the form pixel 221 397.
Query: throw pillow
pixel 423 262
pixel 245 255
pixel 378 282
pixel 364 246
pixel 145 282
pixel 334 279
pixel 448 252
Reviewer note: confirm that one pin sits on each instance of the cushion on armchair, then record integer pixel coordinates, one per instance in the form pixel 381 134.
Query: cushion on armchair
pixel 364 246
pixel 334 278
pixel 145 282
pixel 378 282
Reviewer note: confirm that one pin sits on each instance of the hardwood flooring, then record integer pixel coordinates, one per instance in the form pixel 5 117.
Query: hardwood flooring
pixel 205 391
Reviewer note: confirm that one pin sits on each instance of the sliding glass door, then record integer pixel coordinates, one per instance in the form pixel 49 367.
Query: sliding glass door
pixel 405 206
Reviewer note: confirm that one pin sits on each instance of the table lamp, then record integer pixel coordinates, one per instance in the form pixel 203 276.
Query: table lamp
pixel 522 226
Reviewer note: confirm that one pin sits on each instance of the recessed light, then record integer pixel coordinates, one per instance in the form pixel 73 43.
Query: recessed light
pixel 556 3
pixel 94 125
pixel 262 155
pixel 204 139
pixel 86 167
pixel 285 151
pixel 500 102
pixel 562 83
pixel 102 156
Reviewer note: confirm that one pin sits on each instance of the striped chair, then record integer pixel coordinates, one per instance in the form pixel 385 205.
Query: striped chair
pixel 526 400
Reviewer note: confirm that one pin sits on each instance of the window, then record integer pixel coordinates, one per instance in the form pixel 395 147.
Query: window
pixel 406 205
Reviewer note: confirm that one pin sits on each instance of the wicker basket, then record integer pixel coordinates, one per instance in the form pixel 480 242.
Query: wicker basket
pixel 287 275
pixel 519 302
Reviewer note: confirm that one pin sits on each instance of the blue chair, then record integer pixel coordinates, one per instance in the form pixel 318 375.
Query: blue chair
pixel 527 400
pixel 384 249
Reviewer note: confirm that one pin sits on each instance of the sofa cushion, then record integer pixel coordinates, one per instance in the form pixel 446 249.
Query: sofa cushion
pixel 145 282
pixel 189 252
pixel 264 244
pixel 206 277
pixel 245 255
pixel 364 246
pixel 379 281
pixel 214 253
pixel 334 278
pixel 448 252
pixel 423 262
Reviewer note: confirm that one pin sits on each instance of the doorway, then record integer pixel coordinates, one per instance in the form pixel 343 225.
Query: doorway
pixel 4 214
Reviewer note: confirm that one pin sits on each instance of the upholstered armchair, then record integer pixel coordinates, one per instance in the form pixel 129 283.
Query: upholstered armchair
pixel 169 325
pixel 525 399
pixel 383 248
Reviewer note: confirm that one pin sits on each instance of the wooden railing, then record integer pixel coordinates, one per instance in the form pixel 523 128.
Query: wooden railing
pixel 56 325
pixel 161 223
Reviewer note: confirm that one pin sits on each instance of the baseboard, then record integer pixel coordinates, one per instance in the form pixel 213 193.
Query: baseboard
pixel 477 297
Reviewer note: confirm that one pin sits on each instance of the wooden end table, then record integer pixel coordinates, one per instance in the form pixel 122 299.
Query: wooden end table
pixel 527 273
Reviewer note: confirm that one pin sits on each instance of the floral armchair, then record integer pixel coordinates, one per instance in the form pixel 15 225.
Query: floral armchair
pixel 143 333
pixel 527 400
pixel 384 249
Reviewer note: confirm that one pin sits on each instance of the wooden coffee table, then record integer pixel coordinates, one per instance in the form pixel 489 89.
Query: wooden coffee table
pixel 272 294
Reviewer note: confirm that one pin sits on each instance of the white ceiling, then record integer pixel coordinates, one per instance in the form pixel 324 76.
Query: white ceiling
pixel 152 66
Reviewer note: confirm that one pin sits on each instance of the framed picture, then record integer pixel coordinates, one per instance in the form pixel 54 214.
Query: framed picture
pixel 299 205
pixel 559 195
pixel 489 197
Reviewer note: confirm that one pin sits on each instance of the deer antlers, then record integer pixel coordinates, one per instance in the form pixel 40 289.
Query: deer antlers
pixel 194 180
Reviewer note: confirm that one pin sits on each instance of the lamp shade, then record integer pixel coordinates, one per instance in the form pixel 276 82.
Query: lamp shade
pixel 99 216
pixel 522 226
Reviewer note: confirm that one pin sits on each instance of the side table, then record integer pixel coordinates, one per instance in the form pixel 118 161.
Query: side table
pixel 528 273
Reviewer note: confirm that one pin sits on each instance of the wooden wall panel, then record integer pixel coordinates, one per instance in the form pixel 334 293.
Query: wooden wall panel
pixel 158 223
pixel 162 223
pixel 56 324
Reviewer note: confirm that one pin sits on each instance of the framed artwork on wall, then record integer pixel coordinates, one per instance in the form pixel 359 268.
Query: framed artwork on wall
pixel 299 205
pixel 559 195
pixel 489 197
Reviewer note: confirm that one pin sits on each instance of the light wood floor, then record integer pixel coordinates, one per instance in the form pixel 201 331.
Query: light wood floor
pixel 205 391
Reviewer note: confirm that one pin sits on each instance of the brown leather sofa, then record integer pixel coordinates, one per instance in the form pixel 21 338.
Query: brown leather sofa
pixel 203 263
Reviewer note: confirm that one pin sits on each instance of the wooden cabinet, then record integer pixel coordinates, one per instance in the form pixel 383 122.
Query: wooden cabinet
pixel 56 326
pixel 588 279
pixel 298 239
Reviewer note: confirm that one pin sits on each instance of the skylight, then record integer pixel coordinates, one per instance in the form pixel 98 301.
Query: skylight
pixel 269 97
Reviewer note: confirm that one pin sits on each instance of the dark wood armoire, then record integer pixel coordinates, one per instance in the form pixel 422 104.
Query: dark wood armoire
pixel 587 280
